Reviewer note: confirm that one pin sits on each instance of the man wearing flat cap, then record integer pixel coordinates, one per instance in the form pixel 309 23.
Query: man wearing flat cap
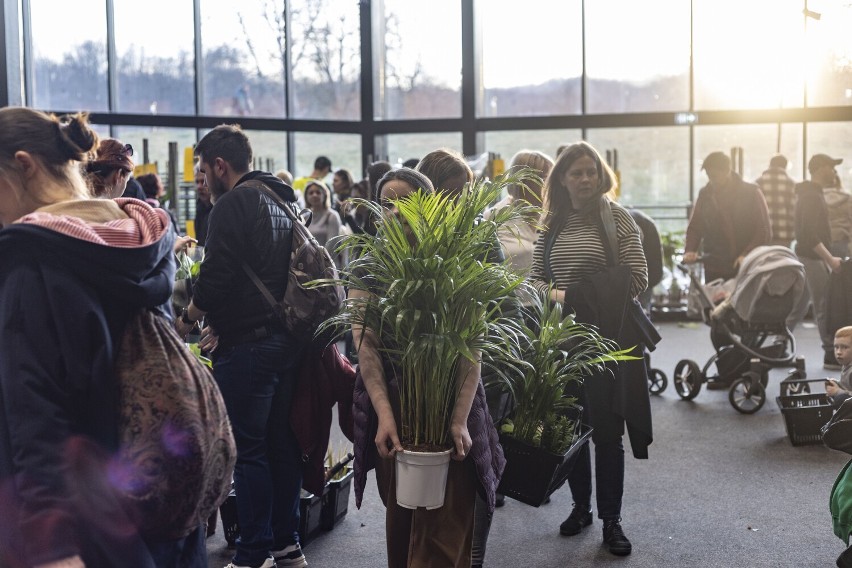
pixel 729 219
pixel 813 239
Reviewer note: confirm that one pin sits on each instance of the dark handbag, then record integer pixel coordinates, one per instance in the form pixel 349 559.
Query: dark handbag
pixel 837 432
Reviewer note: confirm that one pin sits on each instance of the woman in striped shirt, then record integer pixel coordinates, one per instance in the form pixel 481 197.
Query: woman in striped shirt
pixel 572 201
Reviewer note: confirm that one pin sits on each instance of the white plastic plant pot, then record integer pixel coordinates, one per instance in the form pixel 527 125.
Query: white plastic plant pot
pixel 421 478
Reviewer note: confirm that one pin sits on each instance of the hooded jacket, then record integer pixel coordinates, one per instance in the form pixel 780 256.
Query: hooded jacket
pixel 245 226
pixel 70 277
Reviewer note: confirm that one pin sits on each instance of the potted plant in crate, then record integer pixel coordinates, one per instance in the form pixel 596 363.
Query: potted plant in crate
pixel 544 431
pixel 425 288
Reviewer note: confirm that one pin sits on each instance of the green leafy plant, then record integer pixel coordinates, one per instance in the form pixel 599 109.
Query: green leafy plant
pixel 555 352
pixel 434 297
pixel 186 267
pixel 673 243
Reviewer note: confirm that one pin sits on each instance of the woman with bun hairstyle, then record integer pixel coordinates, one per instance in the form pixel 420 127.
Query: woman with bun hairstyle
pixel 109 168
pixel 74 270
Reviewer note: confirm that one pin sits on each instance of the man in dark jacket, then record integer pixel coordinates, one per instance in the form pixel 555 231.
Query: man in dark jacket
pixel 203 206
pixel 255 360
pixel 730 218
pixel 813 238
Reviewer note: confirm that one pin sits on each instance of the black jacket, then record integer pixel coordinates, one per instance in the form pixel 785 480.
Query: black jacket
pixel 63 304
pixel 202 217
pixel 812 226
pixel 651 246
pixel 245 226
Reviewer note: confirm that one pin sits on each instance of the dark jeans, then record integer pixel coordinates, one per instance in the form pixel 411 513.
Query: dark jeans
pixel 257 380
pixel 609 478
pixel 188 552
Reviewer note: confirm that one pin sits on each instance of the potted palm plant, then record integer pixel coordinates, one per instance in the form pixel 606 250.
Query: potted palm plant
pixel 433 298
pixel 544 432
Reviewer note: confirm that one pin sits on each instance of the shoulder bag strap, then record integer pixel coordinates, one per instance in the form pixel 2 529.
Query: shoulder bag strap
pixel 273 303
pixel 609 230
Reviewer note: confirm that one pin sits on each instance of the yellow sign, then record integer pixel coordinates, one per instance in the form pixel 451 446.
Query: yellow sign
pixel 143 169
pixel 188 165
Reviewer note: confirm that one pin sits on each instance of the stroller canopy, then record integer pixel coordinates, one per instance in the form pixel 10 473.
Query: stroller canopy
pixel 768 285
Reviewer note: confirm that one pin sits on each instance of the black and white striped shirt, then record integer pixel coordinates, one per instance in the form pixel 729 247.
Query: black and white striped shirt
pixel 579 251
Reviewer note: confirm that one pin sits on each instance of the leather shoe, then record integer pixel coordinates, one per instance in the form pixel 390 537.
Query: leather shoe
pixel 614 539
pixel 845 558
pixel 580 518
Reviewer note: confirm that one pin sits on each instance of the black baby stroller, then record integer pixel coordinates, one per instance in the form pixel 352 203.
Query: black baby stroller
pixel 748 329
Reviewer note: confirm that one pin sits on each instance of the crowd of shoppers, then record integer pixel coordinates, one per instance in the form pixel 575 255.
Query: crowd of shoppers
pixel 74 249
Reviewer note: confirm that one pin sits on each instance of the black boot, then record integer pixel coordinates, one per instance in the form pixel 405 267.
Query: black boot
pixel 614 539
pixel 845 558
pixel 580 518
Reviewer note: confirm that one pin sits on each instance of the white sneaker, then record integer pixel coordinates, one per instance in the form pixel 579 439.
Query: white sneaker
pixel 290 557
pixel 268 563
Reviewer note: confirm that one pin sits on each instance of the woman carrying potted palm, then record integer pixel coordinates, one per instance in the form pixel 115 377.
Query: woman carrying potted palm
pixel 421 305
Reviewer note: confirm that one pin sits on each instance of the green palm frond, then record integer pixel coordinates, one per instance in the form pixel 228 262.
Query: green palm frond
pixel 556 352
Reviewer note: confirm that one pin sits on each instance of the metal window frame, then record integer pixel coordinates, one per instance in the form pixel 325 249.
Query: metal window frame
pixel 373 129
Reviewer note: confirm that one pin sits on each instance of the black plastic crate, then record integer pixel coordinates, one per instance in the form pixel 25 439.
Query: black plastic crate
pixel 335 503
pixel 310 515
pixel 533 474
pixel 804 416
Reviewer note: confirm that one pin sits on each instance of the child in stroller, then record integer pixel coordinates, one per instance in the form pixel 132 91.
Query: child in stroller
pixel 747 328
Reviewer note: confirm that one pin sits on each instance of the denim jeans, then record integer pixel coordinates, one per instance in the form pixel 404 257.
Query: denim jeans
pixel 257 380
pixel 609 478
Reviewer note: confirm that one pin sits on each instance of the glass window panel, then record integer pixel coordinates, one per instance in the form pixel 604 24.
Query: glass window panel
pixel 422 60
pixel 69 55
pixel 102 130
pixel 748 55
pixel 326 56
pixel 540 78
pixel 507 143
pixel 832 138
pixel 759 143
pixel 653 74
pixel 158 144
pixel 829 54
pixel 269 148
pixel 156 67
pixel 653 166
pixel 401 147
pixel 242 43
pixel 344 151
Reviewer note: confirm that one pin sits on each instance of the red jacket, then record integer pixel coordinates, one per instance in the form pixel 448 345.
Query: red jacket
pixel 325 379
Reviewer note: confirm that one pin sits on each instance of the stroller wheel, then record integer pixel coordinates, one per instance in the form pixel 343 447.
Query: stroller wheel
pixel 747 394
pixel 687 379
pixel 657 381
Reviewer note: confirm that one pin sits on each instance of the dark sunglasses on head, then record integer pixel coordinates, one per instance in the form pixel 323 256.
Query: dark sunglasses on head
pixel 127 150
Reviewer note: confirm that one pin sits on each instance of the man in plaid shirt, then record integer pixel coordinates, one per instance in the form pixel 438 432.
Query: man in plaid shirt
pixel 778 190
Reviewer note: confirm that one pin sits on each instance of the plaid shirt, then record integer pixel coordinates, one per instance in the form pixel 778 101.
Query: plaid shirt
pixel 778 190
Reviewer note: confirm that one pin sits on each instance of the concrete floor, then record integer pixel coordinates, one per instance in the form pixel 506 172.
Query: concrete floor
pixel 721 489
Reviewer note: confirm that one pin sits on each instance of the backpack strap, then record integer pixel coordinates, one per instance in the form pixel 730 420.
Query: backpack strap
pixel 276 306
